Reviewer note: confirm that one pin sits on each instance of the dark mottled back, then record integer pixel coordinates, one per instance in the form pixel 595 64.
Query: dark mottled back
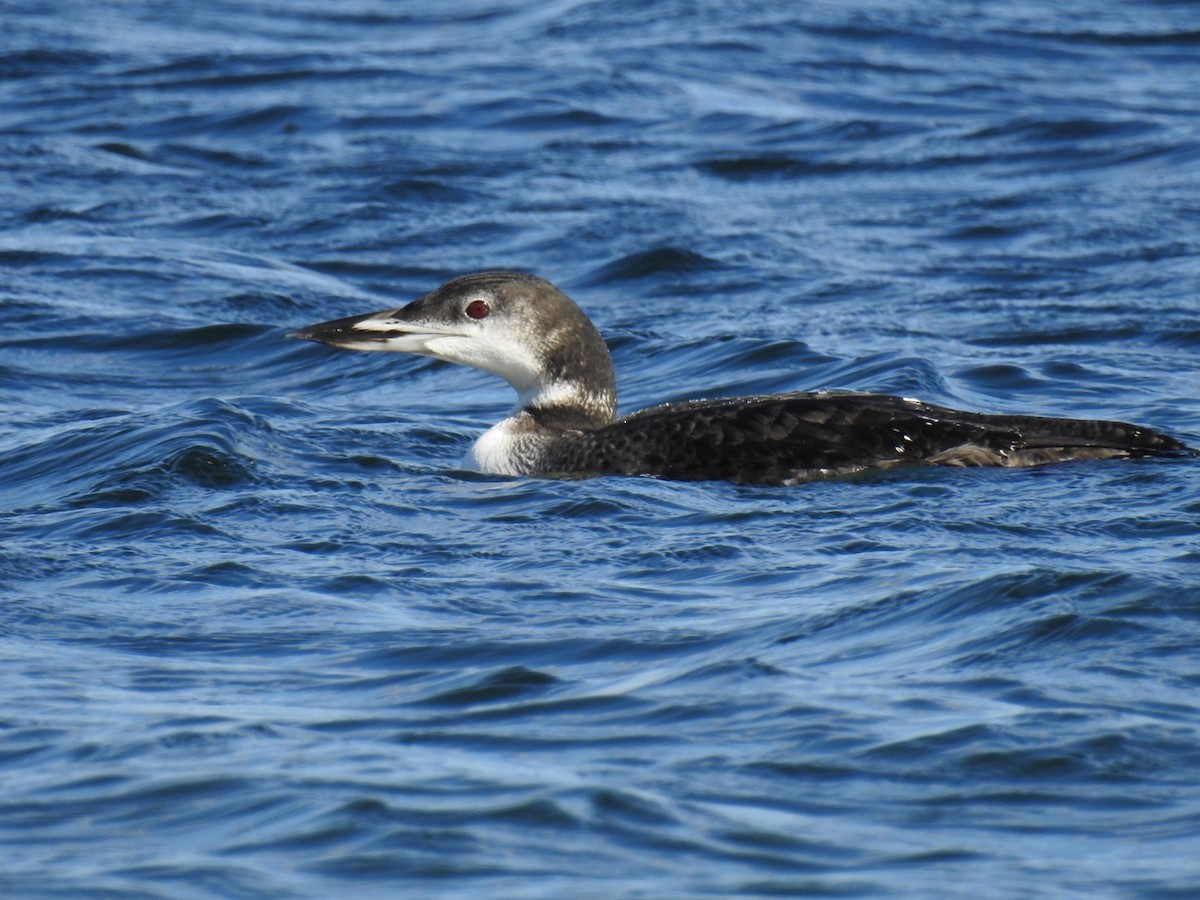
pixel 792 438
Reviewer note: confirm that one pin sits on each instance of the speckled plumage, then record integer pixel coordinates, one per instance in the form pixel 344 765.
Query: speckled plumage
pixel 538 339
pixel 793 438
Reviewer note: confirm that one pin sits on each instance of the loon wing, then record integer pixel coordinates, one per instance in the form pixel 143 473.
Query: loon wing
pixel 792 438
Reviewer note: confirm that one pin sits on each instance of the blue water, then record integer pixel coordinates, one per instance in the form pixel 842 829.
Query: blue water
pixel 259 637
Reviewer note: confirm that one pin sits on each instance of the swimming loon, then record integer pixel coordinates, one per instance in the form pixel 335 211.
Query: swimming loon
pixel 532 335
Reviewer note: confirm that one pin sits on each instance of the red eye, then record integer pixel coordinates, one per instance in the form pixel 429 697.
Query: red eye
pixel 478 309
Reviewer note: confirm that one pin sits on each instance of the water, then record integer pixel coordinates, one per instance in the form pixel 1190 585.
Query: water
pixel 261 638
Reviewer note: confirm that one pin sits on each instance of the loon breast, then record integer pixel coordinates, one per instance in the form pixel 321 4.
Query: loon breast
pixel 515 446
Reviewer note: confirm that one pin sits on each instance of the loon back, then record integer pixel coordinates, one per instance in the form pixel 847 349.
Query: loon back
pixel 530 333
pixel 794 438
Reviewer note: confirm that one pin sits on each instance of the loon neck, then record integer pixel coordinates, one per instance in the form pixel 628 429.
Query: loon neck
pixel 566 405
pixel 515 445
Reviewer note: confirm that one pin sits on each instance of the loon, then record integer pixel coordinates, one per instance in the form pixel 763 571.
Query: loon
pixel 536 338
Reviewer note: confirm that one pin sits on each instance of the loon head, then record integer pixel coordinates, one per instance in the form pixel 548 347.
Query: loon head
pixel 514 325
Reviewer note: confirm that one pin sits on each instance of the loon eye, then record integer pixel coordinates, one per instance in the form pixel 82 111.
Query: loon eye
pixel 478 309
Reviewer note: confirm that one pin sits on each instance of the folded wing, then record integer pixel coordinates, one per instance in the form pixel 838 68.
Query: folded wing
pixel 792 438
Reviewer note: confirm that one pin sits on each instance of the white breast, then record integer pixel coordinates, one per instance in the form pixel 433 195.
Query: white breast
pixel 504 449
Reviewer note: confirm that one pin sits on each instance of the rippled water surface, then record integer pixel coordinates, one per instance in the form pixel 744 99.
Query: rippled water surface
pixel 261 637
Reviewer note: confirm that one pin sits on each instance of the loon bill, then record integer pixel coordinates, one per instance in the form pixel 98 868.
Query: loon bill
pixel 532 335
